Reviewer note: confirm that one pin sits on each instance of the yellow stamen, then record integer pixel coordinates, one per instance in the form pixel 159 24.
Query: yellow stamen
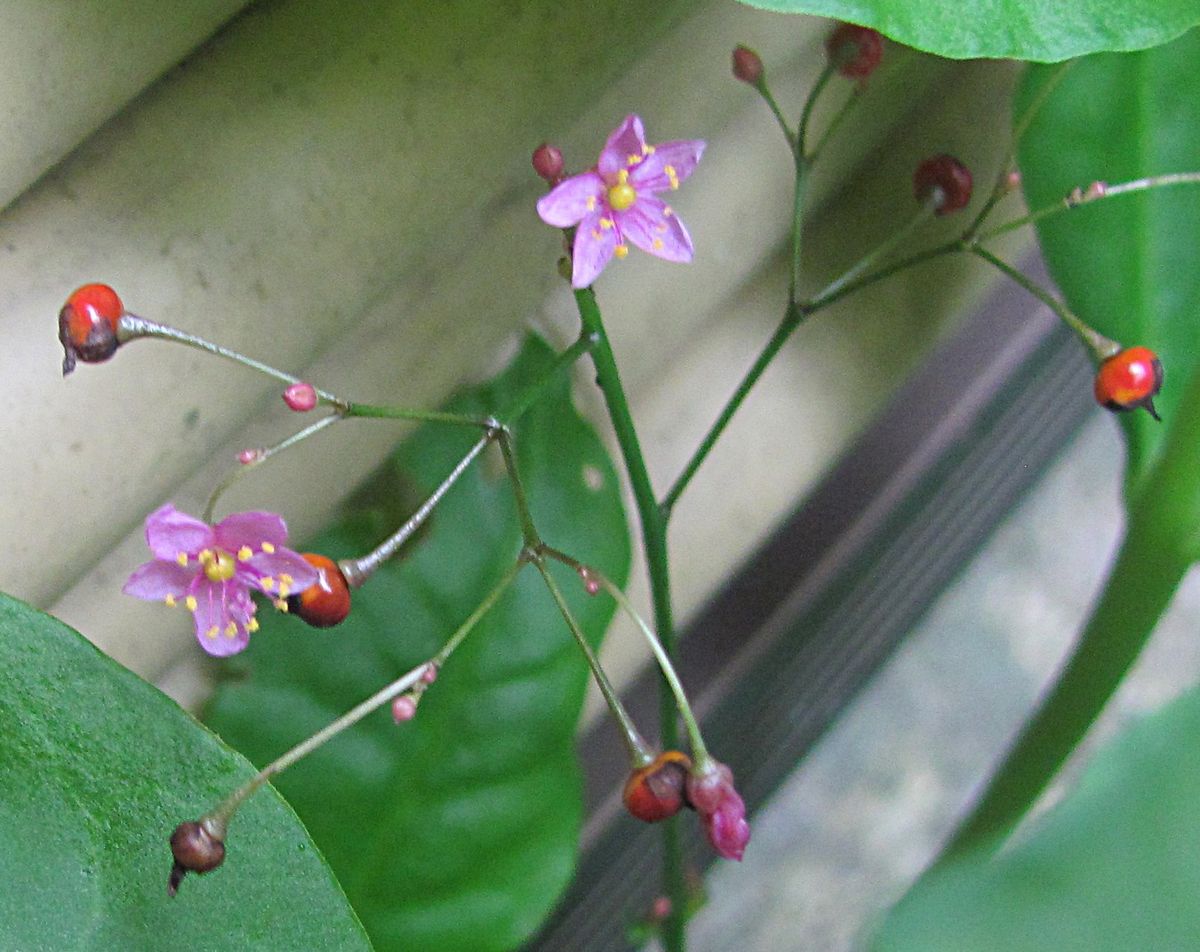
pixel 591 203
pixel 245 553
pixel 231 630
pixel 170 600
pixel 633 159
pixel 658 244
pixel 647 150
pixel 182 559
pixel 268 548
pixel 281 604
pixel 606 223
pixel 672 177
pixel 252 627
pixel 267 583
pixel 621 251
pixel 212 632
pixel 667 213
pixel 190 603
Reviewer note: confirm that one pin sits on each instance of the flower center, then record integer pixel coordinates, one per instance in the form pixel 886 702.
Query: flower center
pixel 621 196
pixel 218 566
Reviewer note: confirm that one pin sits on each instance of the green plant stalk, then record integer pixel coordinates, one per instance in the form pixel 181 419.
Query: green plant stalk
pixel 1161 542
pixel 653 522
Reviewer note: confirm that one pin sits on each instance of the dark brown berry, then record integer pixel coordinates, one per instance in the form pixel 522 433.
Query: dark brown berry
pixel 548 163
pixel 197 849
pixel 855 51
pixel 747 65
pixel 944 181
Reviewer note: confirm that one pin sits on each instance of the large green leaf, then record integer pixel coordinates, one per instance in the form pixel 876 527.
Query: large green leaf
pixel 457 830
pixel 96 769
pixel 1111 869
pixel 1126 265
pixel 1046 32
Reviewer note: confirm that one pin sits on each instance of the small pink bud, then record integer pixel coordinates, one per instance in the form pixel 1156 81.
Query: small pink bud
pixel 300 397
pixel 246 457
pixel 711 793
pixel 661 908
pixel 404 708
pixel 747 65
pixel 548 163
pixel 429 675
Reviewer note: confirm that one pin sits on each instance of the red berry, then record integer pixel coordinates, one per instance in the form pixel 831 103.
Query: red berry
pixel 855 51
pixel 747 65
pixel 87 325
pixel 655 792
pixel 548 163
pixel 326 603
pixel 1130 379
pixel 945 181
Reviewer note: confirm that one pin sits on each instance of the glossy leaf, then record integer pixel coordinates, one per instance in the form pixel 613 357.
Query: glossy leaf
pixel 1045 32
pixel 1110 869
pixel 456 830
pixel 1126 265
pixel 96 769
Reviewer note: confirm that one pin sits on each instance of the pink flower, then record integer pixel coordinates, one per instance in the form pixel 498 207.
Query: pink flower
pixel 212 570
pixel 615 201
pixel 722 811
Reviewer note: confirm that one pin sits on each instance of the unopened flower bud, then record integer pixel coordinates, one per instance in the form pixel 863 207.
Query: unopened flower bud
pixel 854 51
pixel 404 708
pixel 300 397
pixel 326 602
pixel 87 325
pixel 430 674
pixel 710 791
pixel 591 584
pixel 248 456
pixel 747 65
pixel 944 181
pixel 548 163
pixel 655 792
pixel 197 848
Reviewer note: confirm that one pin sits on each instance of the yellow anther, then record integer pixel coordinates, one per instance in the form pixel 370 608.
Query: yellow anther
pixel 190 603
pixel 667 213
pixel 658 244
pixel 672 177
pixel 647 150
pixel 281 604
pixel 182 559
pixel 268 547
pixel 252 625
pixel 621 251
pixel 231 630
pixel 591 203
pixel 607 223
pixel 267 583
pixel 285 578
pixel 170 601
pixel 245 553
pixel 633 159
pixel 212 632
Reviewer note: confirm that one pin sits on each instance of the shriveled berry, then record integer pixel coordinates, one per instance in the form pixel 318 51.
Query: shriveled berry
pixel 1130 379
pixel 655 792
pixel 945 181
pixel 196 849
pixel 747 65
pixel 327 602
pixel 548 163
pixel 87 325
pixel 854 51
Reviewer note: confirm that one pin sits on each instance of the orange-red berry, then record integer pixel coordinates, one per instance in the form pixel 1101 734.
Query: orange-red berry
pixel 945 181
pixel 326 603
pixel 656 791
pixel 855 51
pixel 1130 379
pixel 87 325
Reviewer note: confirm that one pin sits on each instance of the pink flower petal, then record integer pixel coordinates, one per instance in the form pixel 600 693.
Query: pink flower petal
pixel 594 247
pixel 681 157
pixel 221 617
pixel 654 228
pixel 169 532
pixel 727 829
pixel 275 566
pixel 572 200
pixel 154 581
pixel 250 529
pixel 627 141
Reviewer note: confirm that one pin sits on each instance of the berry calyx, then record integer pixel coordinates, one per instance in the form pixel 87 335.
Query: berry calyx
pixel 854 51
pixel 1128 380
pixel 747 65
pixel 945 182
pixel 87 325
pixel 548 163
pixel 656 791
pixel 327 602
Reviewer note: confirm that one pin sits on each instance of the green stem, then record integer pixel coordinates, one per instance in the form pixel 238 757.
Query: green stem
pixel 527 397
pixel 373 412
pixel 801 147
pixel 529 532
pixel 653 522
pixel 1160 545
pixel 798 190
pixel 791 320
pixel 1102 347
pixel 765 92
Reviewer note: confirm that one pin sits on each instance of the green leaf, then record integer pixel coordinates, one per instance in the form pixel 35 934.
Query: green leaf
pixel 1017 29
pixel 457 830
pixel 1110 869
pixel 1126 265
pixel 97 769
